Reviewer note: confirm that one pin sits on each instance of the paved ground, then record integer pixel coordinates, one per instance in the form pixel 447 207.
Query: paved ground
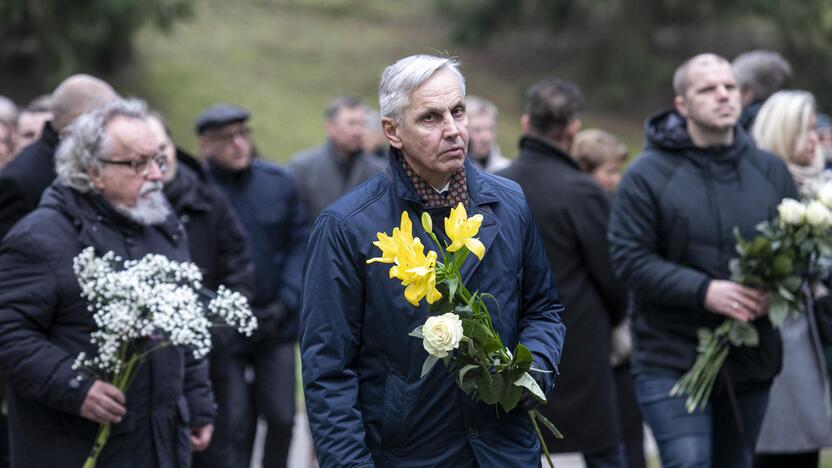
pixel 300 454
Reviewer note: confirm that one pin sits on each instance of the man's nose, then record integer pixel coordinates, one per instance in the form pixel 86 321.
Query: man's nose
pixel 155 172
pixel 451 127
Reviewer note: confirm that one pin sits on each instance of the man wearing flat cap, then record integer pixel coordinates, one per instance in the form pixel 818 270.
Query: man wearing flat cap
pixel 265 198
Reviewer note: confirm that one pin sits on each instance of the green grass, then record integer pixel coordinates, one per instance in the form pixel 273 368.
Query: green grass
pixel 284 60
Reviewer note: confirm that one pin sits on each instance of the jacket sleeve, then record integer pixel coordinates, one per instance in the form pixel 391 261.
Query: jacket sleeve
pixel 14 205
pixel 35 368
pixel 591 229
pixel 292 268
pixel 541 328
pixel 332 314
pixel 633 242
pixel 198 392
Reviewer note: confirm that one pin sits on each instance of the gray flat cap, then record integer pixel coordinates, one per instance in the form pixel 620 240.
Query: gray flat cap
pixel 219 115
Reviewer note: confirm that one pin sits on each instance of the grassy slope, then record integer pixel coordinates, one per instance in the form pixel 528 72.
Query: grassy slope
pixel 284 59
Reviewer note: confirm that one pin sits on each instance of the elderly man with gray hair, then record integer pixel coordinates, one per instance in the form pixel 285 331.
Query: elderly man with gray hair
pixel 107 195
pixel 366 402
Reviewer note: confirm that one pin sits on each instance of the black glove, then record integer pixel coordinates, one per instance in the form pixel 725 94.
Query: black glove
pixel 269 320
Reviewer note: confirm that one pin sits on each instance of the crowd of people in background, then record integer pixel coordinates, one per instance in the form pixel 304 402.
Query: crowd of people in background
pixel 639 259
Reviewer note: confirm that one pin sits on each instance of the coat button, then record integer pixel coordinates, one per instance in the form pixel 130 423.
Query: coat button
pixel 185 218
pixel 74 383
pixel 472 432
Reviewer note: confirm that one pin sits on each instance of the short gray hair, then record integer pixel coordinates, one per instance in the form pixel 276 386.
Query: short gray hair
pixel 401 78
pixel 87 141
pixel 763 72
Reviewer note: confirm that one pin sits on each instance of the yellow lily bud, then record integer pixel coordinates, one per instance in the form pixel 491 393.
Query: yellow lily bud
pixel 427 222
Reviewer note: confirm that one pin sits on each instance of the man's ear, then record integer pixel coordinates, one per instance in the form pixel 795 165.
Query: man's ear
pixel 573 128
pixel 94 173
pixel 680 104
pixel 391 132
pixel 524 123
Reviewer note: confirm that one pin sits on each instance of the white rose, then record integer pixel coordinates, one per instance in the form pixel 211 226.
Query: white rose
pixel 818 215
pixel 441 334
pixel 791 212
pixel 825 194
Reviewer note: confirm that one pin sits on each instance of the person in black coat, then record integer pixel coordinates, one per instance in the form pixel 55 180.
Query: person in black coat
pixel 267 203
pixel 23 180
pixel 218 246
pixel 671 242
pixel 571 211
pixel 111 201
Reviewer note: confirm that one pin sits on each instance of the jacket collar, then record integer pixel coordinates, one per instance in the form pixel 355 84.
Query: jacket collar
pixel 185 190
pixel 481 196
pixel 534 148
pixel 227 177
pixel 49 136
pixel 480 191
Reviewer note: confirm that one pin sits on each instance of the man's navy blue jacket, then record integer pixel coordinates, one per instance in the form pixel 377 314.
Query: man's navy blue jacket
pixel 367 405
pixel 266 201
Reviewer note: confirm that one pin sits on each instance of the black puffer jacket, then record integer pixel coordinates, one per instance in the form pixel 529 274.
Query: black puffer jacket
pixel 671 233
pixel 44 324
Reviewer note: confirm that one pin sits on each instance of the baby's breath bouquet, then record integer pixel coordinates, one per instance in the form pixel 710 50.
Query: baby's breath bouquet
pixel 143 307
pixel 785 253
pixel 459 331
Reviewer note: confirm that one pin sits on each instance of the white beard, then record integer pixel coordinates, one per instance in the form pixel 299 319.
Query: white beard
pixel 151 207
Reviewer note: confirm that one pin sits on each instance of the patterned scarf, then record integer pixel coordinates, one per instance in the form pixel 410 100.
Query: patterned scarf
pixel 457 190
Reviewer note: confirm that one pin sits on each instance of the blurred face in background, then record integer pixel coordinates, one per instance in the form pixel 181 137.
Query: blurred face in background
pixel 608 175
pixel 825 141
pixel 482 130
pixel 6 146
pixel 29 128
pixel 806 144
pixel 229 146
pixel 346 129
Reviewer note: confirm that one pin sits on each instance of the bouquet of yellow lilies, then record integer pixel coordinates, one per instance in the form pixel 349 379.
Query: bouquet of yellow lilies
pixel 459 331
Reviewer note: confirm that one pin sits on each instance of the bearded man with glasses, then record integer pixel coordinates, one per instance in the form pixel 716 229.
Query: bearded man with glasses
pixel 107 195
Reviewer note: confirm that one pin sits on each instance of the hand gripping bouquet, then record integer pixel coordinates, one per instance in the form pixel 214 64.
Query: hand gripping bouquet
pixel 786 253
pixel 143 307
pixel 459 331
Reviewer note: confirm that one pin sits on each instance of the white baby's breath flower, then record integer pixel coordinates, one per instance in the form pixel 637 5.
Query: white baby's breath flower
pixel 441 334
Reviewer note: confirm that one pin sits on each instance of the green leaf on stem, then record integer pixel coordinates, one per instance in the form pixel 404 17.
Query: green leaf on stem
pixel 453 283
pixel 743 334
pixel 489 387
pixel 778 309
pixel 474 329
pixel 468 381
pixel 706 336
pixel 554 430
pixel 792 283
pixel 464 311
pixel 417 333
pixel 510 397
pixel 522 358
pixel 430 361
pixel 529 383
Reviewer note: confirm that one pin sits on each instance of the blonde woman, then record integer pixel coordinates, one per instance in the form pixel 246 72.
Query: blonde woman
pixel 797 422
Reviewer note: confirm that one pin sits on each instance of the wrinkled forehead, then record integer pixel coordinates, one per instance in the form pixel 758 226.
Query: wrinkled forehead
pixel 128 134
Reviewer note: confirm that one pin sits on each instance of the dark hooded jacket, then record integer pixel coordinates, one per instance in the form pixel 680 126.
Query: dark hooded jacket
pixel 671 233
pixel 44 324
pixel 24 179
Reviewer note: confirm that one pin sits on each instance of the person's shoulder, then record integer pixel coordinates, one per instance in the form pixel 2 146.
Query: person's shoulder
pixel 269 169
pixel 307 156
pixel 46 231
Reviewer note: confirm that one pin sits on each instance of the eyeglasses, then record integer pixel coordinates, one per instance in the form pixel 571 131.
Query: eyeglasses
pixel 228 137
pixel 141 166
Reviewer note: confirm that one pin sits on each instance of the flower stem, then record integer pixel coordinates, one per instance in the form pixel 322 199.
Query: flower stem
pixel 100 441
pixel 540 438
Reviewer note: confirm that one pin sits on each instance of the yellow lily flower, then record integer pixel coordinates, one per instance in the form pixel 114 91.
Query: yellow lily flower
pixel 461 230
pixel 416 270
pixel 390 245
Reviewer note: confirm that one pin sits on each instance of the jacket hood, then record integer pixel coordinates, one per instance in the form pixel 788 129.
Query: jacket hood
pixel 667 132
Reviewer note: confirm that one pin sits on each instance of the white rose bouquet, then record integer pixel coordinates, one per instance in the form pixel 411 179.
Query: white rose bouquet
pixel 148 305
pixel 786 253
pixel 461 333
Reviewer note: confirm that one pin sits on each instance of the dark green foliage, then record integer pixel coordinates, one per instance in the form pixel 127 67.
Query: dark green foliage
pixel 64 37
pixel 626 50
